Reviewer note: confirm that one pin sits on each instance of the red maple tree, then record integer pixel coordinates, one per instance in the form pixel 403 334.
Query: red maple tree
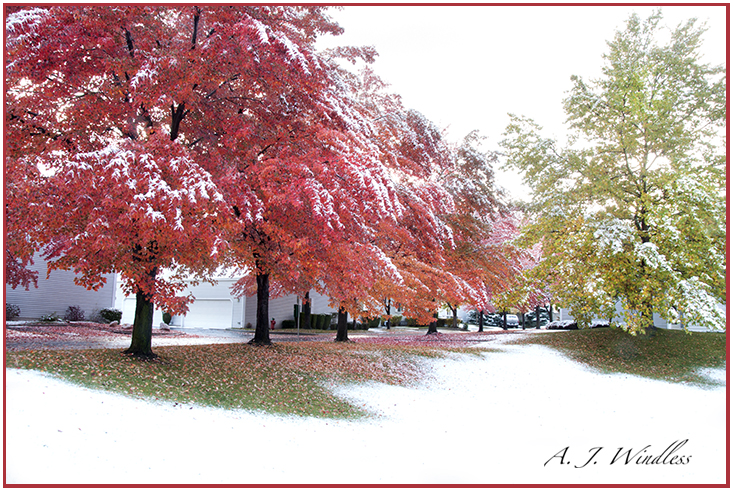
pixel 143 118
pixel 120 105
pixel 160 142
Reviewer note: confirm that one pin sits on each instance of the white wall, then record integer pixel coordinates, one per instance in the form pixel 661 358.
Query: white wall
pixel 219 295
pixel 226 311
pixel 57 292
pixel 462 314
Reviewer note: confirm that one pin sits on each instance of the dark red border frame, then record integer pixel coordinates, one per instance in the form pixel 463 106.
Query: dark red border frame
pixel 461 486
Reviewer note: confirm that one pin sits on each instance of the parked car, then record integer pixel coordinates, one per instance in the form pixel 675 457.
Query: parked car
pixel 512 321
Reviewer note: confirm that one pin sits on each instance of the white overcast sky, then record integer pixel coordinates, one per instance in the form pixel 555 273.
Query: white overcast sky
pixel 467 67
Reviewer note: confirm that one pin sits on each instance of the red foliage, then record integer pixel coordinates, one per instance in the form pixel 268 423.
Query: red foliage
pixel 161 142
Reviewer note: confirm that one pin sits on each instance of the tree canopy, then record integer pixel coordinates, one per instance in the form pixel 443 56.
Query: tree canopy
pixel 163 142
pixel 632 209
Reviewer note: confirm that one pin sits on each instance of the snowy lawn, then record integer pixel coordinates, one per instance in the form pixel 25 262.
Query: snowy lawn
pixel 512 417
pixel 670 355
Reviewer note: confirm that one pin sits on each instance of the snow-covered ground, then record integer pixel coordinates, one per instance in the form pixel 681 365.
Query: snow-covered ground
pixel 514 417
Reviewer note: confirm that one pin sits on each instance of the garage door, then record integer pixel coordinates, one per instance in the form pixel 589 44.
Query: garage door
pixel 209 313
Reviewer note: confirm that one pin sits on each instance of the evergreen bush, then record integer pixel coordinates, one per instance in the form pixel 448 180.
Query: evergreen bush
pixel 11 311
pixel 111 314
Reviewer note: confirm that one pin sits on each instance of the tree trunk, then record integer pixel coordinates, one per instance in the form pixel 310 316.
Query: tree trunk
pixel 537 317
pixel 140 345
pixel 454 311
pixel 550 312
pixel 647 309
pixel 262 330
pixel 481 320
pixel 522 320
pixel 341 325
pixel 504 320
pixel 306 312
pixel 387 310
pixel 432 327
pixel 177 115
pixel 650 329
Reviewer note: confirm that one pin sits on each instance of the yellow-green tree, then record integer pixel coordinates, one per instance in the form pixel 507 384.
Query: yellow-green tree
pixel 632 209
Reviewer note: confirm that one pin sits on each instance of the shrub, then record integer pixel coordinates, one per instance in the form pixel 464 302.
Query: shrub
pixel 288 323
pixel 11 311
pixel 324 322
pixel 411 322
pixel 167 318
pixel 395 320
pixel 562 325
pixel 441 322
pixel 49 318
pixel 110 315
pixel 74 313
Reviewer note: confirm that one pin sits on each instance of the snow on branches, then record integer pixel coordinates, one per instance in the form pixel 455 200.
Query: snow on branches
pixel 163 142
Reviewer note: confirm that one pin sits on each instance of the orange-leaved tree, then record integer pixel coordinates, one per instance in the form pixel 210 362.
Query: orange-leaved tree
pixel 307 161
pixel 128 114
pixel 95 101
pixel 445 192
pixel 153 97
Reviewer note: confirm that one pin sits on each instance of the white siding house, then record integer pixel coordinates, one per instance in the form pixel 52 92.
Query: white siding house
pixel 214 307
pixel 57 292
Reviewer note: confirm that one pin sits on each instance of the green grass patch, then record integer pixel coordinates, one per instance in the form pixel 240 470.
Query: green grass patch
pixel 668 355
pixel 285 378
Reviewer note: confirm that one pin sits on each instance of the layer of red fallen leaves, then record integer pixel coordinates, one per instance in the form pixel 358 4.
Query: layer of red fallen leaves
pixel 56 335
pixel 82 328
pixel 19 337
